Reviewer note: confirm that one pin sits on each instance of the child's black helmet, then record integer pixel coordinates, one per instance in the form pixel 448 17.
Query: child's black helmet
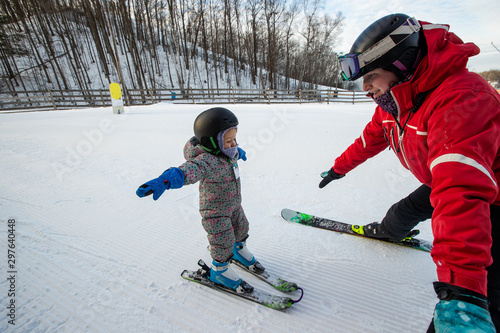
pixel 209 123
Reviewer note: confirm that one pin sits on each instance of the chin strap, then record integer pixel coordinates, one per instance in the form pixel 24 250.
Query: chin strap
pixel 214 150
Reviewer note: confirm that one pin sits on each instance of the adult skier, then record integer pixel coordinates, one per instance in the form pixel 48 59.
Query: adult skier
pixel 443 123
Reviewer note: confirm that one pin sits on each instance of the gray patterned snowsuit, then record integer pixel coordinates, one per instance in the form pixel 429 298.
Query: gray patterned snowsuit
pixel 220 197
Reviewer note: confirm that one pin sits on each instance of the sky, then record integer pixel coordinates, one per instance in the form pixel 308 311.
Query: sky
pixel 474 21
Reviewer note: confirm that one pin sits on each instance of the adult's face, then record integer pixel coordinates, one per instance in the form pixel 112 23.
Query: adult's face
pixel 379 81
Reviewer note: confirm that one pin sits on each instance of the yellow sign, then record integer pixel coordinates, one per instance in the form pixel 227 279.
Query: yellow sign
pixel 115 90
pixel 116 98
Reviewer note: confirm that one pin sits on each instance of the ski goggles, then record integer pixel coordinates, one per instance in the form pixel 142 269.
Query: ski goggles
pixel 352 64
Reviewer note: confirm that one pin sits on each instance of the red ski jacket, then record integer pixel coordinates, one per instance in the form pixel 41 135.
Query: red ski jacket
pixel 450 144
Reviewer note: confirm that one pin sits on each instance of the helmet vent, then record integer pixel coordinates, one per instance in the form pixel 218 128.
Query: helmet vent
pixel 395 20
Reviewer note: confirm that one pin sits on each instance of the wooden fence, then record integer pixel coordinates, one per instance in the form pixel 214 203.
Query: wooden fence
pixel 70 99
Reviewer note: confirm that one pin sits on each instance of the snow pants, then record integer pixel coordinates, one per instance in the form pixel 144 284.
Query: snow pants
pixel 403 216
pixel 224 227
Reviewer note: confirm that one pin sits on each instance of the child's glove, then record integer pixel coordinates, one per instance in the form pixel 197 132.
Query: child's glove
pixel 461 310
pixel 172 178
pixel 242 154
pixel 328 176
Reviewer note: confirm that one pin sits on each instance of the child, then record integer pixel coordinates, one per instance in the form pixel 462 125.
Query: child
pixel 212 159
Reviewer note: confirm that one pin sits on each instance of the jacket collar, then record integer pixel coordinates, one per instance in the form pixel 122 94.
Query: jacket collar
pixel 446 54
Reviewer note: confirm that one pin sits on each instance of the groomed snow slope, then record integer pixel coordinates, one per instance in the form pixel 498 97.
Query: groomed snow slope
pixel 93 257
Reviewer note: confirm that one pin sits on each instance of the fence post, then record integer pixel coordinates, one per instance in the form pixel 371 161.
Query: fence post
pixel 328 97
pixel 151 95
pixel 52 99
pixel 353 97
pixel 192 94
pixel 268 96
pixel 300 96
pixel 232 91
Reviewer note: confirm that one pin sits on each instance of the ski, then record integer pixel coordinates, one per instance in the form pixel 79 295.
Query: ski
pixel 270 278
pixel 351 229
pixel 252 294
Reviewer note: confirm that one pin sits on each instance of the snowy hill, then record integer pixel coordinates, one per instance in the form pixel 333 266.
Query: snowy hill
pixel 90 256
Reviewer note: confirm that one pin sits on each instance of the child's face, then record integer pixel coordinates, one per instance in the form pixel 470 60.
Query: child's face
pixel 230 138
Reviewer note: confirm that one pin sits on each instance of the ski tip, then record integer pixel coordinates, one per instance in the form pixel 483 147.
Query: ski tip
pixel 287 286
pixel 287 214
pixel 280 305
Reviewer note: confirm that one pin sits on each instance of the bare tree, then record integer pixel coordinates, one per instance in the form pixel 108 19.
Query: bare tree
pixel 147 44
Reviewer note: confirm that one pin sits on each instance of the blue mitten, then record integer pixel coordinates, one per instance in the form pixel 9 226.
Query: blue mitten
pixel 461 310
pixel 172 178
pixel 242 154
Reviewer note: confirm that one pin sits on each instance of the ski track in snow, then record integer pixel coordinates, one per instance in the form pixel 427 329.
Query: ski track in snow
pixel 93 257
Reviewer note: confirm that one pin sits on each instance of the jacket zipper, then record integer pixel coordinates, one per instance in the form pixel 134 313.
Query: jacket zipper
pixel 400 133
pixel 401 129
pixel 233 165
pixel 402 149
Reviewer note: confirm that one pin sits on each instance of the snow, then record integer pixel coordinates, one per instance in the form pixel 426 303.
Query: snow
pixel 90 256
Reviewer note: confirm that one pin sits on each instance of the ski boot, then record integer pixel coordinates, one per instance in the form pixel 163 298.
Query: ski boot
pixel 246 258
pixel 377 230
pixel 222 273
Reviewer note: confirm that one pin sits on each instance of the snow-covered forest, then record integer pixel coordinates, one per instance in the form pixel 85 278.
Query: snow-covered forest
pixel 163 44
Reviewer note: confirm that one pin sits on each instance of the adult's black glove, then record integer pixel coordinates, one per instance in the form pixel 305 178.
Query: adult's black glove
pixel 328 176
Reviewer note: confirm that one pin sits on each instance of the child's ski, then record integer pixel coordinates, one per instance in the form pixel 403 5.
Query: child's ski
pixel 255 295
pixel 352 229
pixel 270 278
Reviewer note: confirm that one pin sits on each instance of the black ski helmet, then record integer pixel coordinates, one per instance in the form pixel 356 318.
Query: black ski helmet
pixel 402 58
pixel 209 123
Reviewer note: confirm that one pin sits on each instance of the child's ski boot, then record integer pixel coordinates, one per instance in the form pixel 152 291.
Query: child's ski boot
pixel 246 258
pixel 222 273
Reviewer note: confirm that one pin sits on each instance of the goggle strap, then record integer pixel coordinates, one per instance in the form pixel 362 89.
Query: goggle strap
pixel 387 43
